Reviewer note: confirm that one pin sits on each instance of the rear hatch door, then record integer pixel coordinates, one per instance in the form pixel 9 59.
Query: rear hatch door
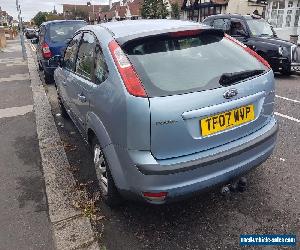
pixel 204 90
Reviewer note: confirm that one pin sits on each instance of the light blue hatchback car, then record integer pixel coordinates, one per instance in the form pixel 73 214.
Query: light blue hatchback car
pixel 169 108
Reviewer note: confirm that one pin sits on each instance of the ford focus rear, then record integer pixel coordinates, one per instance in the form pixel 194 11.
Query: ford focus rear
pixel 183 108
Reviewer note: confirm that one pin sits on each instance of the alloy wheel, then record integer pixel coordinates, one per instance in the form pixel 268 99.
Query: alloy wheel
pixel 100 167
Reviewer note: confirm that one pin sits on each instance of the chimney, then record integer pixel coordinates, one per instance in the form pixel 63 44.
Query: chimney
pixel 110 4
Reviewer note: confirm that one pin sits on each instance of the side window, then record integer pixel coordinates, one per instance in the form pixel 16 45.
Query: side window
pixel 86 53
pixel 42 34
pixel 222 24
pixel 71 52
pixel 237 28
pixel 101 70
pixel 207 22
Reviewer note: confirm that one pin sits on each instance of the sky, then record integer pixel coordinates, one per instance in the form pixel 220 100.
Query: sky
pixel 31 7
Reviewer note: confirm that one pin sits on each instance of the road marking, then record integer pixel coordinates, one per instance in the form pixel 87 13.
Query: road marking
pixel 287 117
pixel 15 111
pixel 11 60
pixel 16 77
pixel 32 47
pixel 288 99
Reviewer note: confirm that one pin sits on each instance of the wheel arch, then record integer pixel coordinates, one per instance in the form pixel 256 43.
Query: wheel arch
pixel 95 128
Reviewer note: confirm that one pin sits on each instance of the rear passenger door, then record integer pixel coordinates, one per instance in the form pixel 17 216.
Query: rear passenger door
pixel 85 76
pixel 67 86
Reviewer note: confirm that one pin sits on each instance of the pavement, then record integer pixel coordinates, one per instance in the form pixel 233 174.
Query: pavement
pixel 24 215
pixel 40 200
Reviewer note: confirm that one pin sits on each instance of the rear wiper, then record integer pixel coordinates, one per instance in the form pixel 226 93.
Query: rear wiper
pixel 229 78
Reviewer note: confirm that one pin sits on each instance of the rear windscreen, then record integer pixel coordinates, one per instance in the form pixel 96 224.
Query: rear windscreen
pixel 175 65
pixel 60 32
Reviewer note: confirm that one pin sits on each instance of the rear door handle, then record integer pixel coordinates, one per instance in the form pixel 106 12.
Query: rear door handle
pixel 81 98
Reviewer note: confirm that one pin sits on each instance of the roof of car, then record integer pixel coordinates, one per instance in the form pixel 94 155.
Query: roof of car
pixel 135 27
pixel 248 17
pixel 61 21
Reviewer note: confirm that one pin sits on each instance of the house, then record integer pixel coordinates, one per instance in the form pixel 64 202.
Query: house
pixel 284 15
pixel 89 12
pixel 247 7
pixel 122 10
pixel 198 10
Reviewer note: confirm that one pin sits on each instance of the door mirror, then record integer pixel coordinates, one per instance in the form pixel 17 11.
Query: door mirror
pixel 55 61
pixel 35 40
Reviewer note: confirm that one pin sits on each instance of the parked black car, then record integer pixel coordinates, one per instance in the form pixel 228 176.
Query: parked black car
pixel 30 33
pixel 256 33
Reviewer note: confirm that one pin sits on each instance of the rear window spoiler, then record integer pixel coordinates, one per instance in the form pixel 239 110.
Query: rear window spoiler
pixel 180 32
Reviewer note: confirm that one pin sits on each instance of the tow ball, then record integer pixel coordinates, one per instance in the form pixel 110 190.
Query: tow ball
pixel 233 187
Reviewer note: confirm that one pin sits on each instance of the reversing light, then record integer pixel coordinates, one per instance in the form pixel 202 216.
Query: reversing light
pixel 250 51
pixel 155 196
pixel 126 70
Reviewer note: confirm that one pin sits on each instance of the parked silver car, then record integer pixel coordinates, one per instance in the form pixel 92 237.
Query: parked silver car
pixel 169 107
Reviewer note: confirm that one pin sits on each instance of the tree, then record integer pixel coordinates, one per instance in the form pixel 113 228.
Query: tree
pixel 39 18
pixel 154 9
pixel 175 10
pixel 79 14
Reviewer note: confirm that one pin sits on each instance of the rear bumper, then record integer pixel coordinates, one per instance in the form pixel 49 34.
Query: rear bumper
pixel 49 70
pixel 142 173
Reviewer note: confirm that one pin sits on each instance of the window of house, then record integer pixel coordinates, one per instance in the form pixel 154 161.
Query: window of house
pixel 85 60
pixel 288 18
pixel 71 53
pixel 279 4
pixel 297 18
pixel 290 4
pixel 280 18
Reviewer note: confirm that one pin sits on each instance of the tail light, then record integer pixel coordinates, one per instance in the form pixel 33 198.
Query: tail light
pixel 129 76
pixel 155 196
pixel 250 51
pixel 46 51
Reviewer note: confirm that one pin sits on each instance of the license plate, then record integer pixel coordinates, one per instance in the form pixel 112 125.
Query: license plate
pixel 226 120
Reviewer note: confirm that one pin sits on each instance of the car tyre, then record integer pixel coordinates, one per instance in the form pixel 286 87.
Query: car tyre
pixel 109 191
pixel 40 66
pixel 286 71
pixel 63 110
pixel 48 78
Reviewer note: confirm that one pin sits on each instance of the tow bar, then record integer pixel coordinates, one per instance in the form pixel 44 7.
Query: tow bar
pixel 233 187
